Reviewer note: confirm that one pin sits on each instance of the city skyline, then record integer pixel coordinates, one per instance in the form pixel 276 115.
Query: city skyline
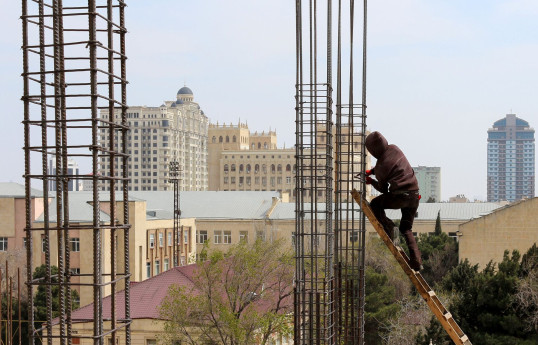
pixel 439 74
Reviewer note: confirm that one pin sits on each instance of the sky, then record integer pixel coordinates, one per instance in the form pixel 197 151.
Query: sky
pixel 439 73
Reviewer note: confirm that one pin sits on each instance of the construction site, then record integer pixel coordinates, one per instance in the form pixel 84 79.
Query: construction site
pixel 74 68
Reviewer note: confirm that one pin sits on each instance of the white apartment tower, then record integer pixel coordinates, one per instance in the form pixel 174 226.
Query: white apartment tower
pixel 175 131
pixel 429 183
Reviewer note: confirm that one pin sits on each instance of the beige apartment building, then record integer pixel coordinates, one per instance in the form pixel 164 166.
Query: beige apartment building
pixel 150 241
pixel 175 131
pixel 239 160
pixel 485 239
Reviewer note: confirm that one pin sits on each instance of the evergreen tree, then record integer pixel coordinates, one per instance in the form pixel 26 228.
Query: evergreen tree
pixel 438 230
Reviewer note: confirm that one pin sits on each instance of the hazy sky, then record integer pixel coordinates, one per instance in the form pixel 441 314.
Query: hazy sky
pixel 439 72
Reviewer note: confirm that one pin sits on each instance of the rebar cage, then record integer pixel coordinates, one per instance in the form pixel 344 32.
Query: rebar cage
pixel 74 66
pixel 330 227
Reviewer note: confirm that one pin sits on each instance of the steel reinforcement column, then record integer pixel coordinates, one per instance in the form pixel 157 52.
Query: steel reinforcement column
pixel 70 100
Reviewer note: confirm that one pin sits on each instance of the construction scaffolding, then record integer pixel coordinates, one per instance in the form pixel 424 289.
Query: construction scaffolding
pixel 74 65
pixel 330 227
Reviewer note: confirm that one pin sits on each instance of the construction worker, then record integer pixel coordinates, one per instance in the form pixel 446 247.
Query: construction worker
pixel 399 187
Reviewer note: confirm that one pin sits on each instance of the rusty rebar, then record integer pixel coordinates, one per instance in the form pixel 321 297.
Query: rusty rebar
pixel 64 109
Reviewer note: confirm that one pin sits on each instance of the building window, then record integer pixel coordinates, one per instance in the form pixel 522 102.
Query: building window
pixel 186 237
pixel 75 244
pixel 161 239
pixel 272 181
pixel 243 236
pixel 256 168
pixel 218 237
pixel 248 180
pixel 169 235
pixel 240 167
pixel 43 249
pixel 234 139
pixel 166 265
pixel 272 168
pixel 232 180
pixel 157 267
pixel 227 238
pixel 248 169
pixel 3 244
pixel 201 236
pixel 226 179
pixel 220 139
pixel 288 180
pixel 260 235
pixel 227 139
pixel 232 168
pixel 151 240
pixel 225 168
pixel 148 270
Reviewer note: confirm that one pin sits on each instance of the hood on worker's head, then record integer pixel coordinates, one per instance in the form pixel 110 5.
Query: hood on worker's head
pixel 376 144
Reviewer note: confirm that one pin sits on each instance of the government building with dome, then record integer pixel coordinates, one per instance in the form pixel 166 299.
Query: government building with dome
pixel 175 131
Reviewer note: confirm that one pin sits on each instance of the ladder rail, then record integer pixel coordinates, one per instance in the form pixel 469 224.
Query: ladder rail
pixel 427 293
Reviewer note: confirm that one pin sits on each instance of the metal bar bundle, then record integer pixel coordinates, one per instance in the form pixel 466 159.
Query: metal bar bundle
pixel 74 65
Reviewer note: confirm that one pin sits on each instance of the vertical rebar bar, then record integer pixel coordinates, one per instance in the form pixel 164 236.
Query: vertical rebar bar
pixel 27 180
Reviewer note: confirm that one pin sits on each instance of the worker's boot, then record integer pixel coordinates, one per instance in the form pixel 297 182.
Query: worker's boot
pixel 414 254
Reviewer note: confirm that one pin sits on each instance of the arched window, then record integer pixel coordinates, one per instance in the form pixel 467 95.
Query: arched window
pixel 279 168
pixel 259 145
pixel 227 139
pixel 220 139
pixel 256 168
pixel 240 167
pixel 264 168
pixel 253 146
pixel 265 145
pixel 214 139
pixel 273 168
pixel 288 167
pixel 225 168
pixel 234 139
pixel 233 168
pixel 248 168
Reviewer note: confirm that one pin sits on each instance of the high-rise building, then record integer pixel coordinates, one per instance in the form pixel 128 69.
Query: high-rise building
pixel 511 163
pixel 429 183
pixel 73 184
pixel 175 131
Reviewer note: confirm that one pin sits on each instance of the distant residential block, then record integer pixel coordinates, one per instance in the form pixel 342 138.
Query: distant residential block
pixel 429 182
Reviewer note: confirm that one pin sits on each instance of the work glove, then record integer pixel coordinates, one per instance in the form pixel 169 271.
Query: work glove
pixel 369 180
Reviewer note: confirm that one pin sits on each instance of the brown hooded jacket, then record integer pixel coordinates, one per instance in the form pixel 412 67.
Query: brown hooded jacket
pixel 392 170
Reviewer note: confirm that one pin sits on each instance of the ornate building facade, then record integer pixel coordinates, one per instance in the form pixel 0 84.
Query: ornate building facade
pixel 175 131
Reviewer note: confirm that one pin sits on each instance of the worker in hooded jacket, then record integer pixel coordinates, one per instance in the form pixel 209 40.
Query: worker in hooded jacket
pixel 398 184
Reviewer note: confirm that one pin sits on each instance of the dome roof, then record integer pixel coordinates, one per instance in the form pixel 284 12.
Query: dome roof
pixel 184 91
pixel 173 105
pixel 179 101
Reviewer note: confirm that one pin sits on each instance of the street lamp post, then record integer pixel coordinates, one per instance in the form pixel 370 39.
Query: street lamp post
pixel 174 178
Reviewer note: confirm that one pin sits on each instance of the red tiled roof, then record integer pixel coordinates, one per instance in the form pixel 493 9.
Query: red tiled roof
pixel 145 296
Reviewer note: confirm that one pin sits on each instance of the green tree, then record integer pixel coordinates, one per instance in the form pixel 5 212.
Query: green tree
pixel 484 304
pixel 380 305
pixel 40 299
pixel 241 296
pixel 438 230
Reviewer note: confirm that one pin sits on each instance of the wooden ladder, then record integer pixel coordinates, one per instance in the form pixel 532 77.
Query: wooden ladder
pixel 440 312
